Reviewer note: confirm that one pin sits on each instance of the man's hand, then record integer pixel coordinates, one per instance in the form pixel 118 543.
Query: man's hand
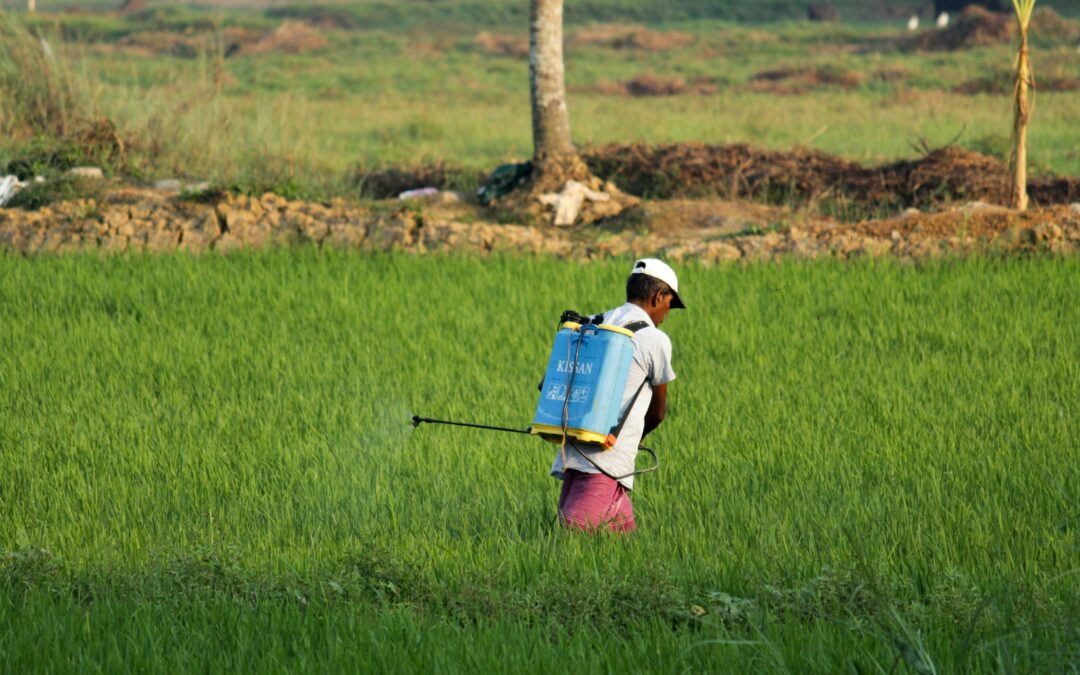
pixel 657 409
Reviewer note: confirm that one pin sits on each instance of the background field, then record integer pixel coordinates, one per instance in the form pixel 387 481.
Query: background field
pixel 406 84
pixel 208 462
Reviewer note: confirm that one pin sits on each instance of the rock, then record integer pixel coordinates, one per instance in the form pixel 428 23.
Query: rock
pixel 228 243
pixel 1074 209
pixel 721 251
pixel 196 241
pixel 911 213
pixel 161 241
pixel 1048 232
pixel 85 172
pixel 449 197
pixel 168 184
pixel 876 248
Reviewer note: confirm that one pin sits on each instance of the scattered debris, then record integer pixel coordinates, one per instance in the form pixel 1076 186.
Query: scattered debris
pixel 419 193
pixel 568 202
pixel 85 172
pixel 503 180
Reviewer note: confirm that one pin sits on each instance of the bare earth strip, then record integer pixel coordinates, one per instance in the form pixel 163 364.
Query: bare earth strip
pixel 706 230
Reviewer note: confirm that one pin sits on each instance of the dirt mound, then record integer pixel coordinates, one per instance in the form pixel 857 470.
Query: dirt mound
pixel 1049 25
pixel 291 37
pixel 653 85
pixel 804 176
pixel 623 36
pixel 974 27
pixel 794 81
pixel 502 45
pixel 189 45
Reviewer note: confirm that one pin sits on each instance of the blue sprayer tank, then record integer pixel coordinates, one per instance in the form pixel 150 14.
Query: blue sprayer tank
pixel 590 364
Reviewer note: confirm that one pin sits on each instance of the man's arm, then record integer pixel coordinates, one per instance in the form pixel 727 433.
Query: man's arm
pixel 657 409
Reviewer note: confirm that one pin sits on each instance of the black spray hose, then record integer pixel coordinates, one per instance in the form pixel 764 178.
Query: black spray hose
pixel 417 421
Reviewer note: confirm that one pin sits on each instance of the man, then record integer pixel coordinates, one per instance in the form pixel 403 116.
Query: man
pixel 591 497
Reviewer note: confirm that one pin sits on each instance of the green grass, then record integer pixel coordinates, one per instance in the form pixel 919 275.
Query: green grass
pixel 860 462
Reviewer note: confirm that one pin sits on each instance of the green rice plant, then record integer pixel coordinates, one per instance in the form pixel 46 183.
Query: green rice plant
pixel 209 462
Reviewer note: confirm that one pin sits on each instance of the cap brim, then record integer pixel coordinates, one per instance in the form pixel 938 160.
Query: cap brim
pixel 676 301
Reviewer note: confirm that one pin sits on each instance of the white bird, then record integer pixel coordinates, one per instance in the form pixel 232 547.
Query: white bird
pixel 913 23
pixel 942 20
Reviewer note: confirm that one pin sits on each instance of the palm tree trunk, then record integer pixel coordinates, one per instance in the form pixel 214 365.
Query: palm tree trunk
pixel 552 146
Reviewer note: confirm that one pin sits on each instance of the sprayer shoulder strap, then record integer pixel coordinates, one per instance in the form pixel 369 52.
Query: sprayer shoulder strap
pixel 633 327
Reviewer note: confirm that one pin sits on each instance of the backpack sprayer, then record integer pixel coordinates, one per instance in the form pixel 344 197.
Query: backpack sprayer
pixel 581 393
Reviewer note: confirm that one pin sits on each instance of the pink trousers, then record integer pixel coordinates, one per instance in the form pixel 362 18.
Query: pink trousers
pixel 591 501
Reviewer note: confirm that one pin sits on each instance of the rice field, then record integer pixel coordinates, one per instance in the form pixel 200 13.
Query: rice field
pixel 207 464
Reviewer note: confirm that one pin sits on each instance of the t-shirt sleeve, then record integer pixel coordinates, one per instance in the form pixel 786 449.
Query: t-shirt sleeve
pixel 660 370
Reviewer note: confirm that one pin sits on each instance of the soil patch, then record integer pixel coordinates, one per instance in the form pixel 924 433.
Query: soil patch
pixel 794 81
pixel 624 36
pixel 647 84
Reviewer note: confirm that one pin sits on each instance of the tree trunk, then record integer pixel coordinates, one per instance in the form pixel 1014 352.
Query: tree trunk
pixel 31 6
pixel 553 149
pixel 1021 117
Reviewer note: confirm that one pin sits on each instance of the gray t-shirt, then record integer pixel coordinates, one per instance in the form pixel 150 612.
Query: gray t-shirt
pixel 652 362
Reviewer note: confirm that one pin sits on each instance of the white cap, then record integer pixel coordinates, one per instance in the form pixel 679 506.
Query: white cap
pixel 660 270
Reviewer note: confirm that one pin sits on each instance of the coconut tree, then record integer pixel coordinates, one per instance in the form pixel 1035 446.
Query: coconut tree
pixel 554 158
pixel 1021 105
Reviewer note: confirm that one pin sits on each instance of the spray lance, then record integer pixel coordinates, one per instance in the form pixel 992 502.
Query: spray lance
pixel 581 393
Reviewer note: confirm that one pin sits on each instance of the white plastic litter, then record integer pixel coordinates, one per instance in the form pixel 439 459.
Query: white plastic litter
pixel 9 185
pixel 419 193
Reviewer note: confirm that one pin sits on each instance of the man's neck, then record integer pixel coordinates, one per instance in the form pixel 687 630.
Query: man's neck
pixel 644 308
